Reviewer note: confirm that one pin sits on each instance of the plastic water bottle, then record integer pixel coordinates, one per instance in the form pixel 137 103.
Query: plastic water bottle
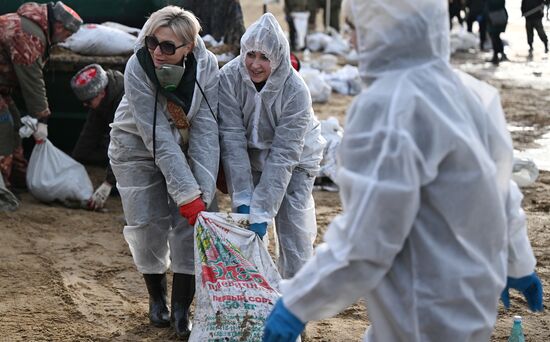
pixel 516 335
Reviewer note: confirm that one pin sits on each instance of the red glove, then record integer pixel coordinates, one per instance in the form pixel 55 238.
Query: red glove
pixel 192 209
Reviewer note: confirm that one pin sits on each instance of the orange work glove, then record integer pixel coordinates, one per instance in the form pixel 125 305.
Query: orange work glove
pixel 192 209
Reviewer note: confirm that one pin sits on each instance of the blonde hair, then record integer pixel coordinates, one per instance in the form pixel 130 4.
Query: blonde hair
pixel 183 23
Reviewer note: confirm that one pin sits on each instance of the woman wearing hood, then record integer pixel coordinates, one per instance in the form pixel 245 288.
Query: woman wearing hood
pixel 271 143
pixel 164 152
pixel 431 230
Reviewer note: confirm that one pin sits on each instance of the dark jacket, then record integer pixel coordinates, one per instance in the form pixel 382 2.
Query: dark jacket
pixel 91 147
pixel 529 5
pixel 475 7
pixel 493 6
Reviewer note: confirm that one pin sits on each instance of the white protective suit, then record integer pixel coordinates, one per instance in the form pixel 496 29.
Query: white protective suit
pixel 271 143
pixel 431 225
pixel 152 190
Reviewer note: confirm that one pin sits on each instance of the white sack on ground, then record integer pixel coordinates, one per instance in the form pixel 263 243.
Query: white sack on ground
pixel 53 175
pixel 99 40
pixel 318 88
pixel 134 31
pixel 210 41
pixel 236 280
pixel 332 43
pixel 338 45
pixel 462 40
pixel 325 62
pixel 524 171
pixel 317 41
pixel 345 81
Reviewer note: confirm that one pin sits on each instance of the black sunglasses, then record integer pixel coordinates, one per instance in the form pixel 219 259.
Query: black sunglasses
pixel 167 48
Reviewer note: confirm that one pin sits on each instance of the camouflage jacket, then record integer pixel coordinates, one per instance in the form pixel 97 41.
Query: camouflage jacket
pixel 24 41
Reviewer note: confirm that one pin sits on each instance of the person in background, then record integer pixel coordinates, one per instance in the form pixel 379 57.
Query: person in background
pixel 271 143
pixel 164 152
pixel 222 19
pixel 455 10
pixel 432 228
pixel 101 92
pixel 496 25
pixel 533 11
pixel 290 7
pixel 25 39
pixel 334 19
pixel 475 13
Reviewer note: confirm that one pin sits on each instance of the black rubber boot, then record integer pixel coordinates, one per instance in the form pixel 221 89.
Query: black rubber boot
pixel 183 291
pixel 158 307
pixel 495 60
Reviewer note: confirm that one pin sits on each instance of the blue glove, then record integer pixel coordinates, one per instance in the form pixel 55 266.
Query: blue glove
pixel 259 228
pixel 282 325
pixel 243 209
pixel 531 288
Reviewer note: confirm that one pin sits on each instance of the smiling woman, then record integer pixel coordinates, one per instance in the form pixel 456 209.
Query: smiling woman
pixel 163 133
pixel 271 141
pixel 258 66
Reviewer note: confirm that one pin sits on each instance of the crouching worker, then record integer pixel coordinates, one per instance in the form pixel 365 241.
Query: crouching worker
pixel 164 152
pixel 101 92
pixel 271 142
pixel 432 229
pixel 25 39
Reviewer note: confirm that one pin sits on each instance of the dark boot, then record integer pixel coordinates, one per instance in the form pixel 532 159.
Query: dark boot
pixel 546 47
pixel 183 291
pixel 158 307
pixel 495 60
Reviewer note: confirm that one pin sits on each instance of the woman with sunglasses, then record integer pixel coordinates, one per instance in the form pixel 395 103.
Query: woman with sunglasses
pixel 164 152
pixel 271 141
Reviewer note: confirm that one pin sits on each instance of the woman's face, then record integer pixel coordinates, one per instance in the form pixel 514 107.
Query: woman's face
pixel 258 66
pixel 165 34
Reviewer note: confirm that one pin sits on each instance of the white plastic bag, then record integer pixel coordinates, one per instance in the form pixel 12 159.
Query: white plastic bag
pixel 462 40
pixel 236 280
pixel 29 125
pixel 317 41
pixel 524 171
pixel 99 40
pixel 345 80
pixel 53 175
pixel 318 88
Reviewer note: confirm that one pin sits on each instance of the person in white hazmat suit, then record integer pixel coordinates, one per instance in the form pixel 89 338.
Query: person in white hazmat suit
pixel 271 143
pixel 164 152
pixel 431 225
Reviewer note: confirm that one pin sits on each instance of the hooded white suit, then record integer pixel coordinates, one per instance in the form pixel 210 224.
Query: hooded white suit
pixel 271 143
pixel 152 189
pixel 431 223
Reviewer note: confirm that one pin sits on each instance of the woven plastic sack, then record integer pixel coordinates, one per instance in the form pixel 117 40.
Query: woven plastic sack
pixel 236 280
pixel 100 40
pixel 54 176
